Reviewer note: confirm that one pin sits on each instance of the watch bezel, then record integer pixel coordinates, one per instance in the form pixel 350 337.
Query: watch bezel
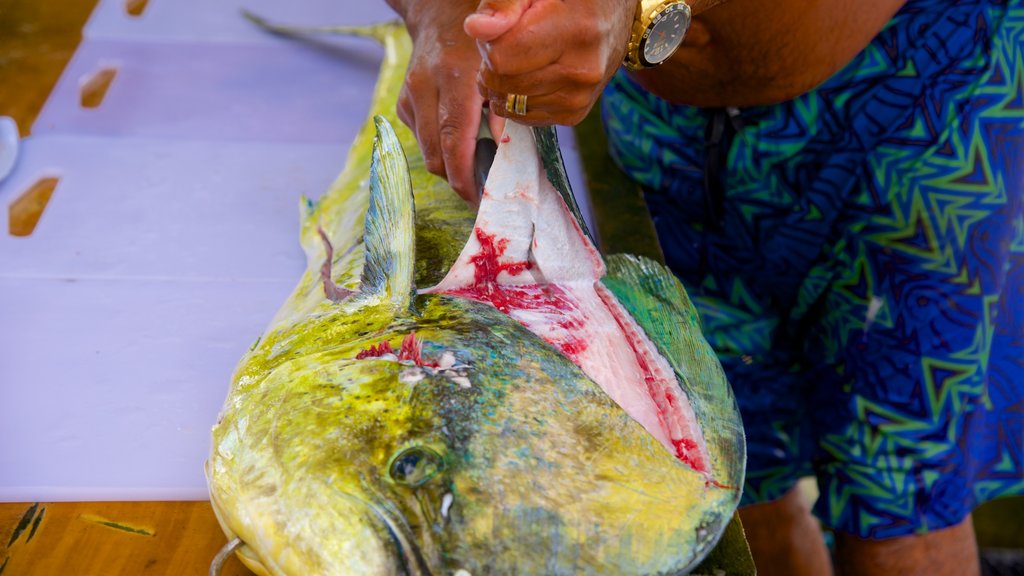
pixel 657 18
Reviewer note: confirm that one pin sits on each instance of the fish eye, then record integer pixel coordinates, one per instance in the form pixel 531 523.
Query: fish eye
pixel 415 466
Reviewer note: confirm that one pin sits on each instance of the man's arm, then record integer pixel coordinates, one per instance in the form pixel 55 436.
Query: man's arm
pixel 559 54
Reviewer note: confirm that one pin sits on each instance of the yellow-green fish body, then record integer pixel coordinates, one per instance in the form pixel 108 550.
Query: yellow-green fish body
pixel 380 429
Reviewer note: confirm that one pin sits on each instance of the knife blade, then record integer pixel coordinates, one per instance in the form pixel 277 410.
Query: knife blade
pixel 483 155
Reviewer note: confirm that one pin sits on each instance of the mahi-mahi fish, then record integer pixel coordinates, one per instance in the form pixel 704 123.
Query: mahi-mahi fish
pixel 444 395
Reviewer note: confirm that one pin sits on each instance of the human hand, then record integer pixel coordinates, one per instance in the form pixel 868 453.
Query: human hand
pixel 558 53
pixel 439 99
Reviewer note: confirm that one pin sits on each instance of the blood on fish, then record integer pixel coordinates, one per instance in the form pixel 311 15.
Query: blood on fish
pixel 687 453
pixel 573 348
pixel 549 299
pixel 411 350
pixel 375 351
pixel 486 263
pixel 506 139
pixel 556 304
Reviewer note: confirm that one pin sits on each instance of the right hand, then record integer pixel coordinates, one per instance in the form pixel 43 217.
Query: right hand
pixel 440 101
pixel 559 54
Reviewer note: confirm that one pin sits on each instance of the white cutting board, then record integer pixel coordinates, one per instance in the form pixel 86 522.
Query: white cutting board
pixel 164 209
pixel 109 387
pixel 281 91
pixel 204 21
pixel 153 268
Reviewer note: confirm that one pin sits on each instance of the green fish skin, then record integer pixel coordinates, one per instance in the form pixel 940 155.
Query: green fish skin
pixel 470 428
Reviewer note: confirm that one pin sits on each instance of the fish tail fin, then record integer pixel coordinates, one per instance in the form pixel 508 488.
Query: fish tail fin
pixel 389 234
pixel 375 31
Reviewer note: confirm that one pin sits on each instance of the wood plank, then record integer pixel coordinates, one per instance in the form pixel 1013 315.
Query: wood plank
pixel 36 41
pixel 105 538
pixel 620 212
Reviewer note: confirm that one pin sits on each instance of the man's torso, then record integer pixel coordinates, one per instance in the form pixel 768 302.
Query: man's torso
pixel 749 52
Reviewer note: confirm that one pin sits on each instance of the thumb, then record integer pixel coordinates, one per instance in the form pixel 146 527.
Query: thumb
pixel 494 17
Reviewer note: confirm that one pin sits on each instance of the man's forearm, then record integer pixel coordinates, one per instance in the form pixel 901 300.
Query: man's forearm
pixel 413 10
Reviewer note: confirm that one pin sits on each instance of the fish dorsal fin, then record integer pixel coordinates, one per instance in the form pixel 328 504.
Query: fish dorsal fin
pixel 389 237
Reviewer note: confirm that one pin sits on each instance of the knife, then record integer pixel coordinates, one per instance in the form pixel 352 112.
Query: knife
pixel 483 156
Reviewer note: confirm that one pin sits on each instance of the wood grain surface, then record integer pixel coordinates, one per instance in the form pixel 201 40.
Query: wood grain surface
pixel 110 538
pixel 36 40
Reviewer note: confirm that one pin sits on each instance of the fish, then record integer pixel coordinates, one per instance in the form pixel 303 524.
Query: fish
pixel 465 394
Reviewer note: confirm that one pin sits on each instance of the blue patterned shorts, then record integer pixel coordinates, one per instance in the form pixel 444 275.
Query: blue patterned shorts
pixel 858 262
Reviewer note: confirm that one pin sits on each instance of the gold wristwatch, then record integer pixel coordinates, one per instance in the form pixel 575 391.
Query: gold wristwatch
pixel 658 29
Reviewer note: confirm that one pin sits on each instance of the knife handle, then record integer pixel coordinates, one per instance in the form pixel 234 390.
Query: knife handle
pixel 483 157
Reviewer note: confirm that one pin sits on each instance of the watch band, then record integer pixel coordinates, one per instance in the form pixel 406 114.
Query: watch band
pixel 648 13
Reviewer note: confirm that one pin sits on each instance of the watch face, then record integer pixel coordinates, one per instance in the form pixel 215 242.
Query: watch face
pixel 665 34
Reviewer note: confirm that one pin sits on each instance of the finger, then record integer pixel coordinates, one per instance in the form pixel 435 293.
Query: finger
pixel 424 124
pixel 404 109
pixel 537 41
pixel 514 59
pixel 459 124
pixel 557 108
pixel 549 80
pixel 493 18
pixel 496 124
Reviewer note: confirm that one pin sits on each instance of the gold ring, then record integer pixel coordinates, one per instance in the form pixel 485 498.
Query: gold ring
pixel 515 104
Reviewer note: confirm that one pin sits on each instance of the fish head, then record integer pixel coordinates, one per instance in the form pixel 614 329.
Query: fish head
pixel 320 444
pixel 472 446
pixel 482 426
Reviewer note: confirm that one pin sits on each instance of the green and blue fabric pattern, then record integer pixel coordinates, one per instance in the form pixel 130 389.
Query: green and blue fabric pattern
pixel 858 264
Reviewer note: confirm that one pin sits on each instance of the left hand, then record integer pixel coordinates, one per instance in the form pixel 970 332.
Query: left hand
pixel 560 54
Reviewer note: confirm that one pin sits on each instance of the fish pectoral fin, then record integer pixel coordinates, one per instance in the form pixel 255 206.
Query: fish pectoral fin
pixel 389 237
pixel 332 291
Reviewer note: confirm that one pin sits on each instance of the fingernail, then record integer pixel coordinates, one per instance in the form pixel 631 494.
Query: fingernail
pixel 484 48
